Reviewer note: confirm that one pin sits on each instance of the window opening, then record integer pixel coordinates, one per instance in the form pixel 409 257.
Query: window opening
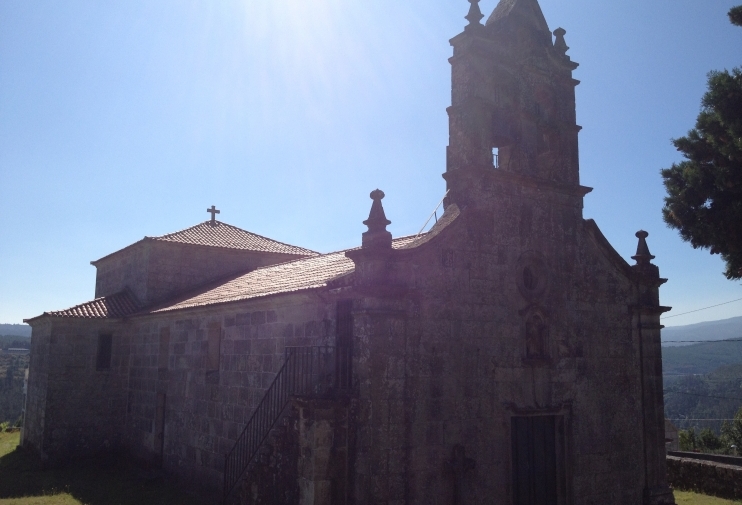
pixel 496 157
pixel 105 347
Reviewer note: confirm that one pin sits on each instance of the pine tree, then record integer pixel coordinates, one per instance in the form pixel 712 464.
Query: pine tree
pixel 735 15
pixel 704 192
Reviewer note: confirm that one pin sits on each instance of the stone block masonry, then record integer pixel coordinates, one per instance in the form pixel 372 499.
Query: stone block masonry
pixel 706 477
pixel 219 366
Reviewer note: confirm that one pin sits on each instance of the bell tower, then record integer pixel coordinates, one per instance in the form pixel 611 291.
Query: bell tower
pixel 513 97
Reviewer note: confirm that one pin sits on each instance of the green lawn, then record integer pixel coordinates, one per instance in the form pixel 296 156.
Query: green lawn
pixel 57 499
pixel 684 498
pixel 112 482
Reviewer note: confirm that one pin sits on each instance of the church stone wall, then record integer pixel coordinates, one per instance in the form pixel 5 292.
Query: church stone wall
pixel 207 406
pixel 155 271
pixel 124 269
pixel 447 365
pixel 75 410
pixel 34 421
pixel 176 268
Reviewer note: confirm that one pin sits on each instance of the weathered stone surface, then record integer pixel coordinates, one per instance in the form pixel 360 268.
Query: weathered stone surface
pixel 706 477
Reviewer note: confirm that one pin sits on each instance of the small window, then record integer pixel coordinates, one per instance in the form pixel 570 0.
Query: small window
pixel 496 157
pixel 105 346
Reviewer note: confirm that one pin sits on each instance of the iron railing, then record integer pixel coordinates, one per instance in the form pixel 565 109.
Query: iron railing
pixel 307 371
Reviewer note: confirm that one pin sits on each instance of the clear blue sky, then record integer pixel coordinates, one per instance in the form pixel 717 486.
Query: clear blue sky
pixel 122 119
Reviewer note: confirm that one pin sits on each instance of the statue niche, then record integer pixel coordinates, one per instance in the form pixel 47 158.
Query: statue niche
pixel 537 333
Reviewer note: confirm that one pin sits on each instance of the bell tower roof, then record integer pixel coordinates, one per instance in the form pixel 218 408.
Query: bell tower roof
pixel 525 12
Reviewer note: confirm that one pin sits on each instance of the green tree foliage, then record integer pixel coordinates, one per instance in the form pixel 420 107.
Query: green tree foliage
pixel 709 440
pixel 688 440
pixel 704 192
pixel 731 433
pixel 735 15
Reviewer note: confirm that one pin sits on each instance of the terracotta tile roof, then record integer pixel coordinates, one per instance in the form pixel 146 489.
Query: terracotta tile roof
pixel 107 307
pixel 297 275
pixel 228 236
pixel 306 273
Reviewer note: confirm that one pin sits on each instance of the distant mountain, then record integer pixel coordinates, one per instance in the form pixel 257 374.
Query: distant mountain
pixel 16 330
pixel 723 329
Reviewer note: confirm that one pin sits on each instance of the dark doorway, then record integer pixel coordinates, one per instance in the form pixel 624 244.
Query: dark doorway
pixel 538 460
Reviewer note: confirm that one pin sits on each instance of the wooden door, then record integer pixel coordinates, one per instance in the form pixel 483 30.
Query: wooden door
pixel 538 466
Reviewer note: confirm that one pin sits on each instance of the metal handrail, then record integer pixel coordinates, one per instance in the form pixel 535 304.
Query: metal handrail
pixel 306 371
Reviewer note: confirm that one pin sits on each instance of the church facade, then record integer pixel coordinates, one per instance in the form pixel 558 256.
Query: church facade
pixel 509 355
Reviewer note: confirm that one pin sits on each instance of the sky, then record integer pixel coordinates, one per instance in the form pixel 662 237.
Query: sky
pixel 122 119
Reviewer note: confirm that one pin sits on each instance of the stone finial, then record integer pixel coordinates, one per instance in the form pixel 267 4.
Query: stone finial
pixel 377 235
pixel 475 15
pixel 643 256
pixel 559 44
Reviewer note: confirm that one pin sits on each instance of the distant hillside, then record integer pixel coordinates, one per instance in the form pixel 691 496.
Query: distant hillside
pixel 9 341
pixel 700 358
pixel 12 371
pixel 717 395
pixel 710 330
pixel 18 330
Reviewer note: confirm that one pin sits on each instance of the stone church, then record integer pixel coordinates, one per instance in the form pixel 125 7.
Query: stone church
pixel 509 355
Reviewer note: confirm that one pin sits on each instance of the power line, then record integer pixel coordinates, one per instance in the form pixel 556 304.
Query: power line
pixel 704 396
pixel 700 341
pixel 705 308
pixel 686 419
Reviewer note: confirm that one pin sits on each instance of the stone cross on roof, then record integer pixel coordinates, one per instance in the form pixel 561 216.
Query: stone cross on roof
pixel 213 211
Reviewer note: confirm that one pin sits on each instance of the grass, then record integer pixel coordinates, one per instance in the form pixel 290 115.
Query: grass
pixel 113 481
pixel 57 499
pixel 120 483
pixel 687 498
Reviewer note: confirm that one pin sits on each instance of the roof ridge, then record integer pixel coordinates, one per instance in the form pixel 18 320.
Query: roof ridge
pixel 208 225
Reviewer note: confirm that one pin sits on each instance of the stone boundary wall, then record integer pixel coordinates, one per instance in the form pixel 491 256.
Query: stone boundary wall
pixel 707 477
pixel 719 458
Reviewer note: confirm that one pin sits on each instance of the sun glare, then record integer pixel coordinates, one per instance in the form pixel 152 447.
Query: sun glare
pixel 315 47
